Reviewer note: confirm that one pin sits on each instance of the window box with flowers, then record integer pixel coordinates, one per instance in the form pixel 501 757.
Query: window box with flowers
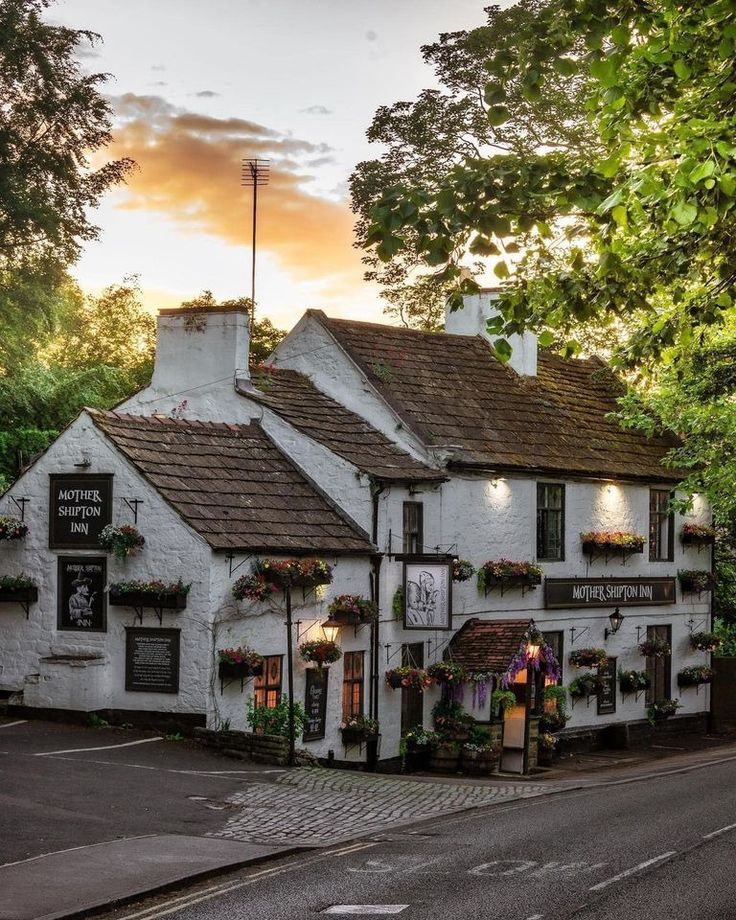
pixel 607 543
pixel 585 686
pixel 662 710
pixel 634 681
pixel 694 581
pixel 408 677
pixel 352 610
pixel 157 595
pixel 122 541
pixel 12 529
pixel 588 658
pixel 320 652
pixel 295 573
pixel 695 676
pixel 705 641
pixel 18 589
pixel 505 574
pixel 462 570
pixel 358 729
pixel 697 535
pixel 238 664
pixel 655 648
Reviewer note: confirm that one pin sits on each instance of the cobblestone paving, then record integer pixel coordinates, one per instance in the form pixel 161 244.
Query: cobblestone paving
pixel 316 806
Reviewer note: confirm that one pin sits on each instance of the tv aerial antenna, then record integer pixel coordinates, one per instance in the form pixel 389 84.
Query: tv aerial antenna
pixel 254 173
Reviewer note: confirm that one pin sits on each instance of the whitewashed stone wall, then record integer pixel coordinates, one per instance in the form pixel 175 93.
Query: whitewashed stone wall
pixel 172 550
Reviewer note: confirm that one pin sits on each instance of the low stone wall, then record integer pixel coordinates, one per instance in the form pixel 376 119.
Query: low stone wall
pixel 623 735
pixel 258 748
pixel 169 722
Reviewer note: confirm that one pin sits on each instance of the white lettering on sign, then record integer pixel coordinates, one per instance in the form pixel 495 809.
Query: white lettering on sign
pixel 79 495
pixel 79 528
pixel 610 593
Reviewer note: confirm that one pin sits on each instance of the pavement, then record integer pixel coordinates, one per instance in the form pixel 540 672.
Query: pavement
pixel 98 816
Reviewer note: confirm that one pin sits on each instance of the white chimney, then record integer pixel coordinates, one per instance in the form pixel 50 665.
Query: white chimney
pixel 199 347
pixel 471 320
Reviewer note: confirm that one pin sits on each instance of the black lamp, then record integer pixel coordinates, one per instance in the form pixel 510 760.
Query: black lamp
pixel 615 619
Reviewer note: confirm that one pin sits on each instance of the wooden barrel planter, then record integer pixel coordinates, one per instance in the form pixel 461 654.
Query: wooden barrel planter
pixel 480 763
pixel 417 757
pixel 445 758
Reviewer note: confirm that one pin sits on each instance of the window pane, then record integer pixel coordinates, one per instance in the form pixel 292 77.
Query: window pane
pixel 413 521
pixel 550 520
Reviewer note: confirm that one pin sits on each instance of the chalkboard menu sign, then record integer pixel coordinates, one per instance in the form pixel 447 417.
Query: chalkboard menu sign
pixel 79 507
pixel 607 693
pixel 82 602
pixel 315 703
pixel 152 660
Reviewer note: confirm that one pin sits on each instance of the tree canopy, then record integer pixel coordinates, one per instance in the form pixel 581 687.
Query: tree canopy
pixel 636 226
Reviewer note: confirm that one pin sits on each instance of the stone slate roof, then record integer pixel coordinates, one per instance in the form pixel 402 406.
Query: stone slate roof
pixel 295 398
pixel 232 485
pixel 488 645
pixel 453 393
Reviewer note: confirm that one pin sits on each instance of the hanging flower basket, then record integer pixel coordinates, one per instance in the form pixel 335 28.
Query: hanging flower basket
pixel 447 672
pixel 695 676
pixel 655 648
pixel 533 652
pixel 657 712
pixel 697 535
pixel 633 681
pixel 122 541
pixel 612 541
pixel 352 610
pixel 462 570
pixel 12 529
pixel 296 573
pixel 586 685
pixel 693 581
pixel 15 589
pixel 415 678
pixel 253 588
pixel 358 729
pixel 320 652
pixel 504 573
pixel 705 641
pixel 588 658
pixel 158 594
pixel 241 662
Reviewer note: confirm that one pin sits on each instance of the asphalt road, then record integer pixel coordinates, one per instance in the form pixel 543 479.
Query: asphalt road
pixel 649 849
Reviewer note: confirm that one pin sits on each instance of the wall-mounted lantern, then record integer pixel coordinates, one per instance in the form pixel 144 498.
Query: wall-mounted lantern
pixel 615 619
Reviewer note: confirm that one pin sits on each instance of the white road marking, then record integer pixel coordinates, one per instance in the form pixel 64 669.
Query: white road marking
pixel 517 866
pixel 721 830
pixel 535 917
pixel 365 909
pixel 105 747
pixel 627 872
pixel 396 864
pixel 11 724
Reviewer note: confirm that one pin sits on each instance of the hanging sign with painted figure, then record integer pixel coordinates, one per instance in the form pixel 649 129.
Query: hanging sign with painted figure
pixel 81 593
pixel 79 507
pixel 427 594
pixel 608 592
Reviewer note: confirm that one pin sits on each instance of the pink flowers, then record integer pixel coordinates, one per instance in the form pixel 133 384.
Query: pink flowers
pixel 12 529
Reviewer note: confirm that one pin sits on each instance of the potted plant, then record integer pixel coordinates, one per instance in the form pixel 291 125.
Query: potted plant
pixel 16 589
pixel 274 720
pixel 447 672
pixel 595 542
pixel 451 721
pixel 501 702
pixel 554 714
pixel 253 587
pixel 406 676
pixel 398 603
pixel 546 745
pixel 320 652
pixel 239 662
pixel 705 641
pixel 302 573
pixel 655 648
pixel 462 570
pixel 479 756
pixel 657 712
pixel 352 610
pixel 694 581
pixel 122 541
pixel 444 756
pixel 695 676
pixel 358 729
pixel 697 535
pixel 12 529
pixel 504 573
pixel 415 747
pixel 633 681
pixel 586 685
pixel 588 658
pixel 155 593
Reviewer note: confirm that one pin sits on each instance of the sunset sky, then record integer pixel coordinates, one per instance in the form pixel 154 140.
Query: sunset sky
pixel 198 84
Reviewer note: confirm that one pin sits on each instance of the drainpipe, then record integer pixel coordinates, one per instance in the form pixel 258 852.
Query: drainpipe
pixel 376 490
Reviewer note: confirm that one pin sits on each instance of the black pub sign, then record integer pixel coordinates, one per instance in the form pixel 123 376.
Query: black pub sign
pixel 79 507
pixel 81 593
pixel 152 659
pixel 315 703
pixel 607 592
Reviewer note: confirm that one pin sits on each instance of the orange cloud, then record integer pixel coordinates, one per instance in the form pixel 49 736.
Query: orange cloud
pixel 189 170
